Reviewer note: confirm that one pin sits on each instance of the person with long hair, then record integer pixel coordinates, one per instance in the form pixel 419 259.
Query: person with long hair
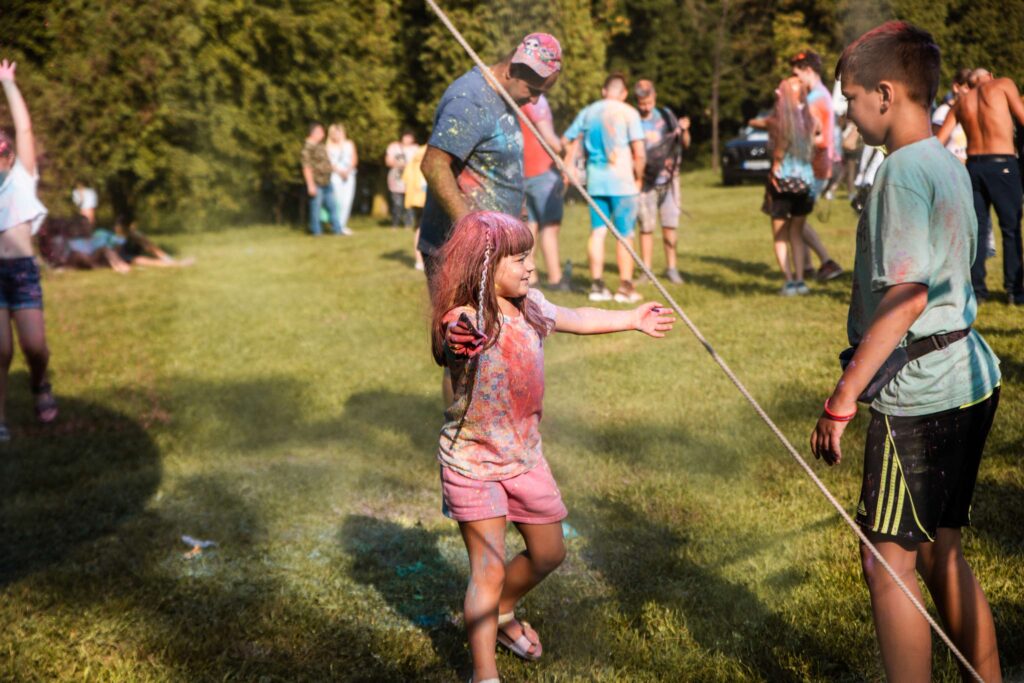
pixel 21 296
pixel 788 194
pixel 344 160
pixel 488 327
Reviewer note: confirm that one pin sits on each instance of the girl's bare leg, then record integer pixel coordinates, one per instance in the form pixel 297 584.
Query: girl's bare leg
pixel 549 247
pixel 796 245
pixel 780 235
pixel 32 339
pixel 485 543
pixel 6 355
pixel 545 551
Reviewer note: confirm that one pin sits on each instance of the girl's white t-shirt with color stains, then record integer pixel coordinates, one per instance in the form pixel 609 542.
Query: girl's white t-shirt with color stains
pixel 18 201
pixel 491 428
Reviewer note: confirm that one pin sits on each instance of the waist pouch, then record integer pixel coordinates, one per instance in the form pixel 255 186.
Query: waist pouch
pixel 898 358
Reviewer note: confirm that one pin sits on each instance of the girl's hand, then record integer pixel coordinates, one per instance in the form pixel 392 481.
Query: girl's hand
pixel 7 70
pixel 463 337
pixel 653 319
pixel 827 434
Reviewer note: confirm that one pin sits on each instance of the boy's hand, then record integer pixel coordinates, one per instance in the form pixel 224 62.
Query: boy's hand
pixel 463 337
pixel 653 319
pixel 827 434
pixel 7 70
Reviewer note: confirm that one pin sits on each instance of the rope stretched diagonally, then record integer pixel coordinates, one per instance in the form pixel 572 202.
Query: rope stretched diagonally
pixel 704 342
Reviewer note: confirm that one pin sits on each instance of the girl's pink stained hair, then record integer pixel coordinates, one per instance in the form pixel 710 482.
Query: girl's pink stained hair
pixel 457 281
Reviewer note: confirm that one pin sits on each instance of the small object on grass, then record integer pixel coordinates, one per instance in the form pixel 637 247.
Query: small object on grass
pixel 568 532
pixel 198 546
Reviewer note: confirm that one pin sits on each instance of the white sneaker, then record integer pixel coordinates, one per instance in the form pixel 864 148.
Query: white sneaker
pixel 598 292
pixel 627 294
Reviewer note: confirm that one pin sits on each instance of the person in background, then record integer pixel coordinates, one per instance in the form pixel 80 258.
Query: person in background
pixel 415 195
pixel 85 199
pixel 396 157
pixel 545 191
pixel 344 162
pixel 316 171
pixel 610 133
pixel 665 139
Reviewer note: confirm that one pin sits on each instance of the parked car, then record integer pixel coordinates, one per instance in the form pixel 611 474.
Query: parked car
pixel 746 157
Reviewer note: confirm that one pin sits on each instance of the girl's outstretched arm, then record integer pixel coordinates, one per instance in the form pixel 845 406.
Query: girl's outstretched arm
pixel 650 318
pixel 24 142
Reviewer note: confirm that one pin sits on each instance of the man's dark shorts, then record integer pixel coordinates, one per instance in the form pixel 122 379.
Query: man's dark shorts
pixel 919 472
pixel 786 204
pixel 544 198
pixel 19 284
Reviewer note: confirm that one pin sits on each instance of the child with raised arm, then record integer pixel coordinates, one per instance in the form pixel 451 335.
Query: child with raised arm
pixel 21 297
pixel 489 328
pixel 932 382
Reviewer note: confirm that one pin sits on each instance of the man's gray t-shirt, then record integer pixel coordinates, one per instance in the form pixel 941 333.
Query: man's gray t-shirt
pixel 919 226
pixel 474 125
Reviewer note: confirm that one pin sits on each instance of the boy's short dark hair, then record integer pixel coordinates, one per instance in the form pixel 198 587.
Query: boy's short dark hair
pixel 962 76
pixel 806 59
pixel 895 51
pixel 617 76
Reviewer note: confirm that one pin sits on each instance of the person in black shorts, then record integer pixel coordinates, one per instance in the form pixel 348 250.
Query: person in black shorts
pixel 931 380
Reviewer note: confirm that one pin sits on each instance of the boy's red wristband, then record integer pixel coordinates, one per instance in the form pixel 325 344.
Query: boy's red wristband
pixel 839 418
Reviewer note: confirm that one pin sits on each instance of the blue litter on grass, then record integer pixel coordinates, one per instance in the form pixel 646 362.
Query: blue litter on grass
pixel 429 620
pixel 414 568
pixel 568 531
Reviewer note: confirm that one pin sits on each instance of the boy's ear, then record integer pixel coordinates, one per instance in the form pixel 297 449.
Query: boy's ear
pixel 886 92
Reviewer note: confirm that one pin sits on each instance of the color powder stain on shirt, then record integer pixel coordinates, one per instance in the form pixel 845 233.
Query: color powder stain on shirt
pixel 491 430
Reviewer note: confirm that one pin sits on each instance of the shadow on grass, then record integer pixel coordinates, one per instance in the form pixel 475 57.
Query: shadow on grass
pixel 722 616
pixel 70 483
pixel 399 256
pixel 760 278
pixel 404 566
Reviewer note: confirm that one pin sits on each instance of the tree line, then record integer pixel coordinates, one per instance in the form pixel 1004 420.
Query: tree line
pixel 189 114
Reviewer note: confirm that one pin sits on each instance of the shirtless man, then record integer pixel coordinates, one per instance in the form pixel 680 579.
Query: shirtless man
pixel 986 112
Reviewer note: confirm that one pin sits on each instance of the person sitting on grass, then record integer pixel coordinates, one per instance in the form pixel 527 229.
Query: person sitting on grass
pixel 489 328
pixel 132 247
pixel 935 397
pixel 21 295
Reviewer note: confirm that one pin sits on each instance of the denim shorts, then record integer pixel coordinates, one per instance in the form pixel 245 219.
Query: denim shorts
pixel 544 198
pixel 19 284
pixel 621 210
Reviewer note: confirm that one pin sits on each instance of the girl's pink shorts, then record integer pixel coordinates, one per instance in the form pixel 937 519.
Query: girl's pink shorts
pixel 531 498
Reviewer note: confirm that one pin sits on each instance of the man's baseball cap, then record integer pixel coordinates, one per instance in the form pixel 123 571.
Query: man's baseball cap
pixel 541 52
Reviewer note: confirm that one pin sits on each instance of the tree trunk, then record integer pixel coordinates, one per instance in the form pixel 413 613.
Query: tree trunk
pixel 716 81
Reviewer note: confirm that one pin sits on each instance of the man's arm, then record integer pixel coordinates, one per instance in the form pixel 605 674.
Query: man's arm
pixel 639 161
pixel 437 169
pixel 948 125
pixel 901 305
pixel 24 141
pixel 307 173
pixel 547 131
pixel 1014 100
pixel 684 131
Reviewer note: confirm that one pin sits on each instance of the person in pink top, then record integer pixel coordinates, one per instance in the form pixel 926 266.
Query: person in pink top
pixel 489 327
pixel 544 189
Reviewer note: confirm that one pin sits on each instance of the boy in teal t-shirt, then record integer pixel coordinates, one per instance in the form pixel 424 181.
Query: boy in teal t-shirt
pixel 916 241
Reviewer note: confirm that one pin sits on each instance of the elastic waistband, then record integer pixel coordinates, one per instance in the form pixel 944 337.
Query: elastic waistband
pixel 992 158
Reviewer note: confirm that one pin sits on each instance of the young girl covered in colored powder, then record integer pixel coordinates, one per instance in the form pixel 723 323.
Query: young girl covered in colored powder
pixel 21 215
pixel 489 328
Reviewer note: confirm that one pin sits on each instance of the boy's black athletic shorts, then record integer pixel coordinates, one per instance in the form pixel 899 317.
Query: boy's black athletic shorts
pixel 919 472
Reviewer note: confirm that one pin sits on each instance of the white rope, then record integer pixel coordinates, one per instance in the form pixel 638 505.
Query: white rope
pixel 700 337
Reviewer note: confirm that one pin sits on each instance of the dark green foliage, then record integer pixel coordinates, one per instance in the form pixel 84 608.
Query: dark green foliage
pixel 190 113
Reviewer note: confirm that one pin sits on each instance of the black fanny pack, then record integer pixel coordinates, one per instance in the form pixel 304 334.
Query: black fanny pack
pixel 898 358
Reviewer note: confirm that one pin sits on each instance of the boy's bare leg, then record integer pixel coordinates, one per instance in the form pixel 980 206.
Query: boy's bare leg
pixel 669 239
pixel 961 603
pixel 485 543
pixel 624 260
pixel 549 247
pixel 595 252
pixel 904 637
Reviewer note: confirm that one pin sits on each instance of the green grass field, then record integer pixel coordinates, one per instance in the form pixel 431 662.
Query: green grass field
pixel 279 398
